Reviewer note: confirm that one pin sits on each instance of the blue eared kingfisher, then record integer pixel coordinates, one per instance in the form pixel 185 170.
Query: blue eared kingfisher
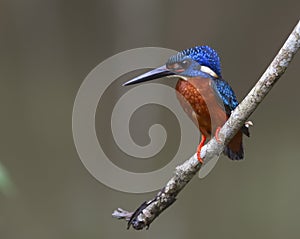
pixel 202 92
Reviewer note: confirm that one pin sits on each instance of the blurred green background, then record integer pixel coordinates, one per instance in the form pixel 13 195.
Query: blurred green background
pixel 48 47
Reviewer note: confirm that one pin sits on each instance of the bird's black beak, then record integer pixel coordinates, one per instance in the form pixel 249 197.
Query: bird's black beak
pixel 150 75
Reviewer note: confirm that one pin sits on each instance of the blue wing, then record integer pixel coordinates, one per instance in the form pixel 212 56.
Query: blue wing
pixel 227 96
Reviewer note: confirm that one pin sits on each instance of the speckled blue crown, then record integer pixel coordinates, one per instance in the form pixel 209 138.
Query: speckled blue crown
pixel 205 56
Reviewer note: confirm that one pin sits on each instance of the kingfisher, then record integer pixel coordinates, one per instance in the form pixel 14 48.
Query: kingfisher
pixel 204 95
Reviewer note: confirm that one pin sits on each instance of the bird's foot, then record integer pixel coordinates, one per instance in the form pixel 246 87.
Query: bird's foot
pixel 198 153
pixel 217 135
pixel 203 139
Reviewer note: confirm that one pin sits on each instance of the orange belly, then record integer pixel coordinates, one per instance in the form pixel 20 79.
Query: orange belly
pixel 199 101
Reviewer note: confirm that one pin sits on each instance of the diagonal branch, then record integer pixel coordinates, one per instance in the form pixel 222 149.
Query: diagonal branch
pixel 148 211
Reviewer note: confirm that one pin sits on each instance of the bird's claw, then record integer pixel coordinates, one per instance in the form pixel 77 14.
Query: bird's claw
pixel 198 154
pixel 203 139
pixel 217 135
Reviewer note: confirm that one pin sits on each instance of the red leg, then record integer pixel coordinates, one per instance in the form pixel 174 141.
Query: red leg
pixel 217 135
pixel 203 139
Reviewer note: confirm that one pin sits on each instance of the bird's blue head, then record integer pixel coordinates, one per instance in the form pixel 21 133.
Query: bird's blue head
pixel 197 61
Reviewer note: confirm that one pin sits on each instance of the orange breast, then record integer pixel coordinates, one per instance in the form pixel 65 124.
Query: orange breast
pixel 200 102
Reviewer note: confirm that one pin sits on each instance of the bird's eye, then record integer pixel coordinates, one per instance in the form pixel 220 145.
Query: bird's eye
pixel 185 64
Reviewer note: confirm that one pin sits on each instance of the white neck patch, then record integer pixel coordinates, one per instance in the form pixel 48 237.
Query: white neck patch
pixel 209 71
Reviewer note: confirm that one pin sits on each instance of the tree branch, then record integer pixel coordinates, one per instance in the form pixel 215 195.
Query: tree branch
pixel 148 211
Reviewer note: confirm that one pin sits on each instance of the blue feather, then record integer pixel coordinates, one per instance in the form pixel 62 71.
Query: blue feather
pixel 227 94
pixel 205 56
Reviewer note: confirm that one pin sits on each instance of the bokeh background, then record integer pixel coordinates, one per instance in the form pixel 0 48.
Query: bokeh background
pixel 46 50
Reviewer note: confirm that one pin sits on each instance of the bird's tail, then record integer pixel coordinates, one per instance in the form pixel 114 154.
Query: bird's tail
pixel 234 150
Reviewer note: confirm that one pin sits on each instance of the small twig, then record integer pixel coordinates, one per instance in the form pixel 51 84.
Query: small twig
pixel 148 211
